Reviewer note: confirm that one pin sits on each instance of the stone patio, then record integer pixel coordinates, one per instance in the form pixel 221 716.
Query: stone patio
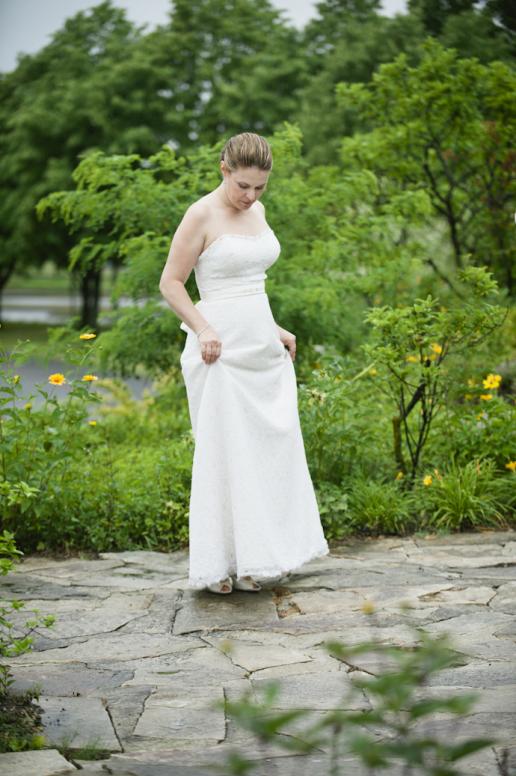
pixel 137 663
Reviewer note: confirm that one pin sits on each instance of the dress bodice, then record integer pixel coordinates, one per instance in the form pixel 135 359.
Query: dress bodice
pixel 235 265
pixel 233 260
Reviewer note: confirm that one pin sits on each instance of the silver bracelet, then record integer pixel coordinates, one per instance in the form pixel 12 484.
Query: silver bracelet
pixel 205 327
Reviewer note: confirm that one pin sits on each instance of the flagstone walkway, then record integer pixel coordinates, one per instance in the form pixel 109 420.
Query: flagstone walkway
pixel 136 659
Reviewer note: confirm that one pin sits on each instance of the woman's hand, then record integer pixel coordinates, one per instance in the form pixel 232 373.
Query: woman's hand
pixel 289 340
pixel 210 345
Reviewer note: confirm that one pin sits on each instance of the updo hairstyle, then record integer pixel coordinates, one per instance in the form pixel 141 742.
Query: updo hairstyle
pixel 247 150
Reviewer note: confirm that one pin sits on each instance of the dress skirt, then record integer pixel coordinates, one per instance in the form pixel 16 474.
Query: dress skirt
pixel 253 510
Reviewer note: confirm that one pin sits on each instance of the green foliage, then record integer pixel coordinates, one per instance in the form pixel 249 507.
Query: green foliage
pixel 473 428
pixel 412 342
pixel 68 481
pixel 391 732
pixel 381 507
pixel 439 127
pixel 468 496
pixel 102 84
pixel 334 510
pixel 18 718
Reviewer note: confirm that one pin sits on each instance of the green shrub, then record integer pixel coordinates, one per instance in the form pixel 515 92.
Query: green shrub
pixel 380 507
pixel 19 717
pixel 467 497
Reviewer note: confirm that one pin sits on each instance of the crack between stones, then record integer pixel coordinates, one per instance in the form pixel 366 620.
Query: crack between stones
pixel 177 608
pixel 144 701
pixel 226 721
pixel 115 731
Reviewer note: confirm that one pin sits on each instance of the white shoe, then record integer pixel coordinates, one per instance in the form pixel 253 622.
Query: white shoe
pixel 247 583
pixel 224 587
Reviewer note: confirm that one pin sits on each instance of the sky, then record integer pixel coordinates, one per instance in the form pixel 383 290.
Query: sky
pixel 26 25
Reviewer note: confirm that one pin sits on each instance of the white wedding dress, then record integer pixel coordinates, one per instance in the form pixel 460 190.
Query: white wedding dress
pixel 253 508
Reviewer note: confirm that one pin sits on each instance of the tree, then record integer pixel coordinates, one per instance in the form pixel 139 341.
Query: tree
pixel 226 68
pixel 53 106
pixel 446 127
pixel 354 56
pixel 103 85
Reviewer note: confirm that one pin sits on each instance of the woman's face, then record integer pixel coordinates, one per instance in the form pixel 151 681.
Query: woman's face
pixel 244 185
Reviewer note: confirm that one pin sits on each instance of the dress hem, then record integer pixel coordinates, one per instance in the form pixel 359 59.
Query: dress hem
pixel 261 573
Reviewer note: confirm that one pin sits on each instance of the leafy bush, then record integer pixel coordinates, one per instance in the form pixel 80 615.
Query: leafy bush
pixel 19 717
pixel 381 507
pixel 468 496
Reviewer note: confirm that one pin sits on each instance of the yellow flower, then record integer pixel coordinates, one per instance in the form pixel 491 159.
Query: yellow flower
pixel 27 406
pixel 492 381
pixel 16 379
pixel 92 422
pixel 89 378
pixel 399 476
pixel 373 371
pixel 486 396
pixel 368 607
pixel 413 359
pixel 436 348
pixel 57 379
pixel 87 335
pixel 427 480
pixel 511 465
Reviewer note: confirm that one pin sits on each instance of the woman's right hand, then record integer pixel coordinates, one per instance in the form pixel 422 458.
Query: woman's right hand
pixel 210 345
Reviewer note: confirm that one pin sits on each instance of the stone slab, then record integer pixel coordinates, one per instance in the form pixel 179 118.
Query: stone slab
pixel 40 762
pixel 77 722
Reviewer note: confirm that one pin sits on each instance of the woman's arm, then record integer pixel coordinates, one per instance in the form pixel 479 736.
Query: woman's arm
pixel 184 250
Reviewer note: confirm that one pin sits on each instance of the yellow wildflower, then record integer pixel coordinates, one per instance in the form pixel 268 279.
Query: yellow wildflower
pixel 413 359
pixel 486 396
pixel 57 378
pixel 16 379
pixel 399 476
pixel 27 406
pixel 511 465
pixel 427 480
pixel 87 335
pixel 373 371
pixel 492 381
pixel 89 378
pixel 92 422
pixel 436 348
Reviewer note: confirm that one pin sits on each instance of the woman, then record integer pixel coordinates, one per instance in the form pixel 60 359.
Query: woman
pixel 253 510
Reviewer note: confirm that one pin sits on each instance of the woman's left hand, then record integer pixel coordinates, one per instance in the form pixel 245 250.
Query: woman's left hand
pixel 289 340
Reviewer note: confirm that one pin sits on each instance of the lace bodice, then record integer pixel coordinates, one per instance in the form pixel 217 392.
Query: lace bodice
pixel 236 259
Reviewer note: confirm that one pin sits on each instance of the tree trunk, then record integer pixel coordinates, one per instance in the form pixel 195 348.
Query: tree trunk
pixel 6 271
pixel 90 292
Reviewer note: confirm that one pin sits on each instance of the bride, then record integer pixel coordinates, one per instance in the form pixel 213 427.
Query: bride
pixel 253 510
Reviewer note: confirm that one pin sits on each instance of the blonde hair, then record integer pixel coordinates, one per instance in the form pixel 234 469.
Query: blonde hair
pixel 247 150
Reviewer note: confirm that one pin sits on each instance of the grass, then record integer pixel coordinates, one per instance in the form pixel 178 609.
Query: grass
pixel 10 333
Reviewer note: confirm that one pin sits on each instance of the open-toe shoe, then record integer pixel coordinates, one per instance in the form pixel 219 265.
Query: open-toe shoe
pixel 224 587
pixel 246 583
